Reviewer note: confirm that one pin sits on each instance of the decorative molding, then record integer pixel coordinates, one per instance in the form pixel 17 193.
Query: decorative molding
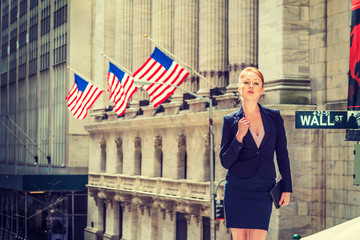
pixel 217 225
pixel 144 203
pixel 158 142
pixel 182 141
pixel 188 218
pixel 207 140
pixel 137 143
pixel 94 194
pixel 102 143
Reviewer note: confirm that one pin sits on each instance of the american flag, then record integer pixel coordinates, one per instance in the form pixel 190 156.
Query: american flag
pixel 162 69
pixel 81 97
pixel 121 88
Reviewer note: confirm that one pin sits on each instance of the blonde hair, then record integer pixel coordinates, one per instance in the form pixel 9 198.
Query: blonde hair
pixel 251 69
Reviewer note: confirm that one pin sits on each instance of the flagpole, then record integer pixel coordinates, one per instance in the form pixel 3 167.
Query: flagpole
pixel 85 78
pixel 116 63
pixel 179 60
pixel 212 196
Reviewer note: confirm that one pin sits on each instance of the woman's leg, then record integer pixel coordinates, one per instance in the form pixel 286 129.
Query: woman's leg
pixel 257 234
pixel 239 233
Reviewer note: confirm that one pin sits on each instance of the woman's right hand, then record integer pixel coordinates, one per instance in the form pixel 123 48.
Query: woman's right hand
pixel 243 127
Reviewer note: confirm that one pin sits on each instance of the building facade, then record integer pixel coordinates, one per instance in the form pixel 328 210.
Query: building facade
pixel 149 170
pixel 43 149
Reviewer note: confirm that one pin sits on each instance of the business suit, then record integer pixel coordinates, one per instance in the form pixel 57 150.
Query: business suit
pixel 244 159
pixel 251 169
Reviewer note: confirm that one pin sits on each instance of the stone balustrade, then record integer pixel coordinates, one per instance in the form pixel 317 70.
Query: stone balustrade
pixel 157 188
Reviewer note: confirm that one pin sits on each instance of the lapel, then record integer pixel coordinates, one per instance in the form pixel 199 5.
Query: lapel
pixel 267 127
pixel 248 137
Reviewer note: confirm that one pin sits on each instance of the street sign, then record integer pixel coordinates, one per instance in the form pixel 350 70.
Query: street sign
pixel 327 119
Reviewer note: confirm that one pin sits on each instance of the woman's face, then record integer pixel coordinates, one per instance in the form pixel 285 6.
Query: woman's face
pixel 251 86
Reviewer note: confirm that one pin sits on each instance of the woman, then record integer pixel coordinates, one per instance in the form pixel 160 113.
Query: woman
pixel 250 137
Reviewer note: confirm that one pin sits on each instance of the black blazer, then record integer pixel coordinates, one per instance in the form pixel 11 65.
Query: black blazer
pixel 243 159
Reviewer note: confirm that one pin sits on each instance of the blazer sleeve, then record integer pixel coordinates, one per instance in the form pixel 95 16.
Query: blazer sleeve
pixel 230 146
pixel 282 155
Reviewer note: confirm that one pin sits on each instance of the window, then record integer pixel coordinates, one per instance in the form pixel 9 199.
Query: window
pixel 103 155
pixel 60 31
pixel 13 14
pixel 137 156
pixel 33 36
pixel 119 154
pixel 158 166
pixel 181 158
pixel 181 226
pixel 45 35
pixel 23 7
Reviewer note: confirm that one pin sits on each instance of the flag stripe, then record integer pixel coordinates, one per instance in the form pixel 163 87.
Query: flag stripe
pixel 80 100
pixel 121 87
pixel 159 68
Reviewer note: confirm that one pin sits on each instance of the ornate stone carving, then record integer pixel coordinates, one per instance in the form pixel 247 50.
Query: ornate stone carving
pixel 207 140
pixel 137 143
pixel 125 200
pixel 103 145
pixel 217 225
pixel 182 141
pixel 158 142
pixel 144 203
pixel 94 194
pixel 188 218
pixel 165 207
pixel 118 142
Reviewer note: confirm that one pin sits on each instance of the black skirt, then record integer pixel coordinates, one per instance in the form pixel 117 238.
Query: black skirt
pixel 247 201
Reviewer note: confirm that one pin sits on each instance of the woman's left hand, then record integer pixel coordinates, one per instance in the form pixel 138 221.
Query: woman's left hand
pixel 285 199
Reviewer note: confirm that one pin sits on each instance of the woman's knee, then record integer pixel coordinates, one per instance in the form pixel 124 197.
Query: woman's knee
pixel 239 234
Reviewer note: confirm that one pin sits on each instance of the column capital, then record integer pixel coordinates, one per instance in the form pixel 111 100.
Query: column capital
pixel 94 194
pixel 144 203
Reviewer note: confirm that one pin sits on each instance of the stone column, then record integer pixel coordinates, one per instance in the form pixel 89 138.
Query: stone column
pixel 112 219
pixel 128 153
pixel 93 215
pixel 124 33
pixel 141 47
pixel 170 143
pixel 148 153
pixel 145 216
pixel 284 51
pixel 194 227
pixel 162 30
pixel 222 233
pixel 243 41
pixel 111 155
pixel 127 220
pixel 186 40
pixel 213 44
pixel 196 157
pixel 167 222
pixel 98 46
